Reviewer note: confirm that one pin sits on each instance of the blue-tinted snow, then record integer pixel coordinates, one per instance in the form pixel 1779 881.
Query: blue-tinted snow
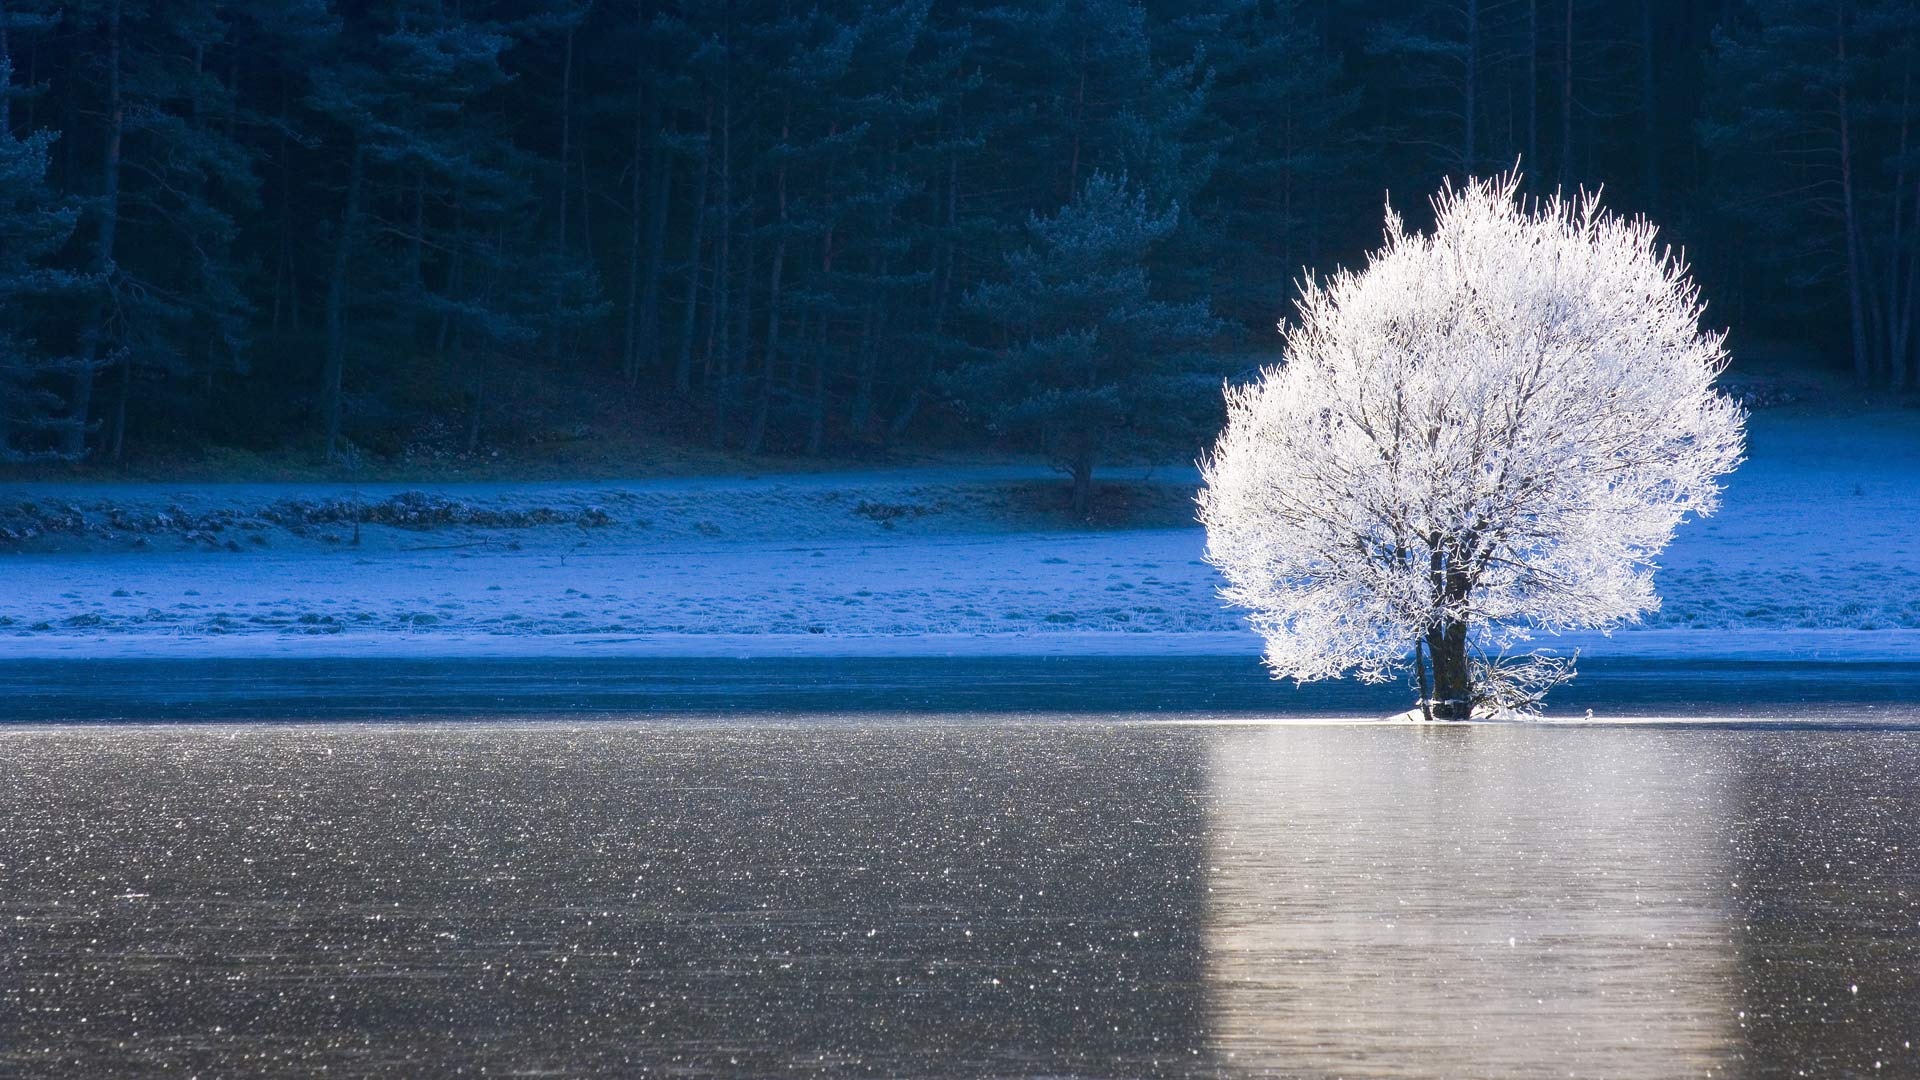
pixel 1814 555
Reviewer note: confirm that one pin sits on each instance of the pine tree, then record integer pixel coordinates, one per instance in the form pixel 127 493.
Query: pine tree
pixel 172 179
pixel 402 90
pixel 368 219
pixel 1090 365
pixel 1278 123
pixel 1074 87
pixel 832 109
pixel 35 224
pixel 183 306
pixel 1810 126
pixel 872 261
pixel 1432 60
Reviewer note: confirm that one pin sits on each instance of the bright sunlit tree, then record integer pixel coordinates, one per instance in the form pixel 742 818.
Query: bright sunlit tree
pixel 1487 432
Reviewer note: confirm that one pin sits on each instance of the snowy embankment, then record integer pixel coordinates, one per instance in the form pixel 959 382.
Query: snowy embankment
pixel 1814 556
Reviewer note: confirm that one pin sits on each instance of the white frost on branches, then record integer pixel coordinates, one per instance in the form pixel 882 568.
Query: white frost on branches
pixel 1499 425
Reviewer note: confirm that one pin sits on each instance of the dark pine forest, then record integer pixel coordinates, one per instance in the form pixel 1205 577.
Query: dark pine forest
pixel 336 228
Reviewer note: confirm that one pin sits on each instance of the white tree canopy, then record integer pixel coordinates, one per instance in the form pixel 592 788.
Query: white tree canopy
pixel 1496 425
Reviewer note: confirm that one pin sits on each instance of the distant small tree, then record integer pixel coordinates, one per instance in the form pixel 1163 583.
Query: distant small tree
pixel 1488 431
pixel 1091 364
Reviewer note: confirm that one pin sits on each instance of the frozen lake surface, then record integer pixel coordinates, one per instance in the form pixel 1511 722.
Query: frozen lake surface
pixel 1056 885
pixel 1119 687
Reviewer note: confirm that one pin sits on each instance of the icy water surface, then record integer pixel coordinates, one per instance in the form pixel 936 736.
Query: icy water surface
pixel 1803 691
pixel 939 895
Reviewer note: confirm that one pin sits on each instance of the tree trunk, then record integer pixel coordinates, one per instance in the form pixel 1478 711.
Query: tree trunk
pixel 117 437
pixel 763 398
pixel 739 362
pixel 637 168
pixel 1447 636
pixel 117 431
pixel 7 425
pixel 1079 113
pixel 1286 199
pixel 1452 678
pixel 1856 301
pixel 817 407
pixel 650 168
pixel 566 135
pixel 1081 469
pixel 1898 294
pixel 683 368
pixel 566 178
pixel 447 339
pixel 289 272
pixel 6 89
pixel 586 204
pixel 477 401
pixel 1907 363
pixel 1468 150
pixel 1426 682
pixel 720 328
pixel 940 284
pixel 1566 98
pixel 75 442
pixel 873 324
pixel 418 319
pixel 860 411
pixel 417 244
pixel 647 356
pixel 1533 86
pixel 333 373
pixel 1649 126
pixel 717 323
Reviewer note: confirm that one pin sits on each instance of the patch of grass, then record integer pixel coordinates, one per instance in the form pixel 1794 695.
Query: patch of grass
pixel 887 513
pixel 1129 504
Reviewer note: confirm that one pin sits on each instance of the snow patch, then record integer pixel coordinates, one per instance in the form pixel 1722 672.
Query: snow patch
pixel 1814 556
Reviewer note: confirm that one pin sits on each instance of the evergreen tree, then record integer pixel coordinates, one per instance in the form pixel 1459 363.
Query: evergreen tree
pixel 182 305
pixel 34 224
pixel 435 210
pixel 382 221
pixel 871 259
pixel 172 178
pixel 1073 87
pixel 820 143
pixel 1432 59
pixel 1090 366
pixel 1810 125
pixel 1278 125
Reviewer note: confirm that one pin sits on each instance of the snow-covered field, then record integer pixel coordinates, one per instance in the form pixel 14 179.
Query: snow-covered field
pixel 1814 554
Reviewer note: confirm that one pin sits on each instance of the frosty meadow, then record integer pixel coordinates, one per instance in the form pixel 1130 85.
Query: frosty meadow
pixel 1488 431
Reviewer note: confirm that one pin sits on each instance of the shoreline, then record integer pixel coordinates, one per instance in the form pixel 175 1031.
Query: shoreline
pixel 1751 646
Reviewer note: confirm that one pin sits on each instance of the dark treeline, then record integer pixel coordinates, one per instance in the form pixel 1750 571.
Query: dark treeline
pixel 802 226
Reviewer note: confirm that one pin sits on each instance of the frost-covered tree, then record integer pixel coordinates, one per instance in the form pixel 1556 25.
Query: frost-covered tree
pixel 1488 431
